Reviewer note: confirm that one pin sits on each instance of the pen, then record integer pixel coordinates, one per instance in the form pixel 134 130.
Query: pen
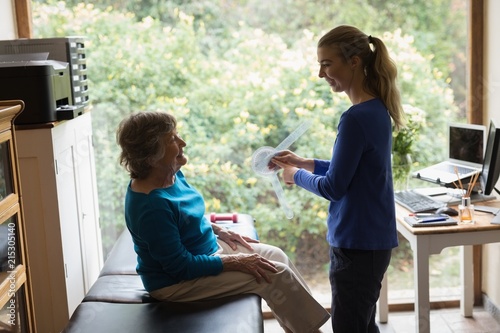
pixel 419 215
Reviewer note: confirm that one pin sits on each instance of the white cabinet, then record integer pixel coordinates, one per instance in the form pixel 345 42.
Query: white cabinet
pixel 59 195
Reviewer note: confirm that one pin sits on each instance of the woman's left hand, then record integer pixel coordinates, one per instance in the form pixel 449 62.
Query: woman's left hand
pixel 288 171
pixel 233 238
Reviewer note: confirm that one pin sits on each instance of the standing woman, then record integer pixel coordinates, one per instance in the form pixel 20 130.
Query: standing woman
pixel 357 180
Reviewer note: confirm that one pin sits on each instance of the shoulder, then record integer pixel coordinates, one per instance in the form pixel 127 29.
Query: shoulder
pixel 369 112
pixel 139 186
pixel 372 105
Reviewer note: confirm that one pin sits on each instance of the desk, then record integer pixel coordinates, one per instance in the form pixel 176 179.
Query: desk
pixel 425 241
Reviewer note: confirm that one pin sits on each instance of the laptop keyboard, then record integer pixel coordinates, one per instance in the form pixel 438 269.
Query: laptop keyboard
pixel 451 168
pixel 417 202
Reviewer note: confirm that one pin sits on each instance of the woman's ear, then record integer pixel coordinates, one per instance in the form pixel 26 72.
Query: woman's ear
pixel 355 61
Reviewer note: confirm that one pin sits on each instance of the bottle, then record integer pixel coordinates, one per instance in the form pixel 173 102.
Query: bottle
pixel 466 211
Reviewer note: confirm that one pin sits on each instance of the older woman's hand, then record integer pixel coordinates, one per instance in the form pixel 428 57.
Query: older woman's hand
pixel 253 264
pixel 232 238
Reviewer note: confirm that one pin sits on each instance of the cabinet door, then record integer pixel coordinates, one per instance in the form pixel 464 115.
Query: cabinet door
pixel 70 229
pixel 78 208
pixel 90 233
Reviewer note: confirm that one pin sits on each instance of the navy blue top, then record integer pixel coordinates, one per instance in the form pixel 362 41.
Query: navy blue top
pixel 172 238
pixel 358 180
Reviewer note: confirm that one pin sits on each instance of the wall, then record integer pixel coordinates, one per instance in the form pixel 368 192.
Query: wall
pixel 491 253
pixel 7 20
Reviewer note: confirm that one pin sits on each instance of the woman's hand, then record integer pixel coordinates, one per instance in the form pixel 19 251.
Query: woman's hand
pixel 288 172
pixel 232 238
pixel 290 163
pixel 291 159
pixel 253 264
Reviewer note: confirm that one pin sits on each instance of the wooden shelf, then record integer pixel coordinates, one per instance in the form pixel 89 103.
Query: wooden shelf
pixel 14 261
pixel 10 282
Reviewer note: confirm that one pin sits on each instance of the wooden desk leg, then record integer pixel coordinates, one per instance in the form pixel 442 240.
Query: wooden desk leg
pixel 383 304
pixel 421 280
pixel 467 276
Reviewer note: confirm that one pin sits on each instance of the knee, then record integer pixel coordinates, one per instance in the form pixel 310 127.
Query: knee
pixel 285 277
pixel 284 282
pixel 277 254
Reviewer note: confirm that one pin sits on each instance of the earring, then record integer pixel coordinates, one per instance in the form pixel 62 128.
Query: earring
pixel 366 72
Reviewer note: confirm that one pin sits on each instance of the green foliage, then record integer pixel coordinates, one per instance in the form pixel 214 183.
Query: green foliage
pixel 403 146
pixel 234 87
pixel 404 139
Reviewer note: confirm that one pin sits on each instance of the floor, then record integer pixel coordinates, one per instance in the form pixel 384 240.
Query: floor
pixel 442 321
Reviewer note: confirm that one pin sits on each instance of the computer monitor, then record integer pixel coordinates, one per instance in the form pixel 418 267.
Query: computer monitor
pixel 491 164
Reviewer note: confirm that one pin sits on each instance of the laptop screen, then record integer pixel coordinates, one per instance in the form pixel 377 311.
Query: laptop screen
pixel 466 143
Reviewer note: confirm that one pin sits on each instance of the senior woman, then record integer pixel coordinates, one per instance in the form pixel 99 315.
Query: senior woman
pixel 183 257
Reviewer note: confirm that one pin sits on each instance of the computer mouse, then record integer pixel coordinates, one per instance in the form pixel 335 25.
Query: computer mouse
pixel 447 210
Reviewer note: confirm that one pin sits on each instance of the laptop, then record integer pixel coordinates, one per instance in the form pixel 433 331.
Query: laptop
pixel 466 146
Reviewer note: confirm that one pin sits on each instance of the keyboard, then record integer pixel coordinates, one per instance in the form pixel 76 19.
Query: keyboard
pixel 416 202
pixel 462 170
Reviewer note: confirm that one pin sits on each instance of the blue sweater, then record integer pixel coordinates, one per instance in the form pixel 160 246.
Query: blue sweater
pixel 172 238
pixel 358 180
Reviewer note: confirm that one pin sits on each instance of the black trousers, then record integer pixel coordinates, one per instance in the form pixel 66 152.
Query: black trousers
pixel 356 278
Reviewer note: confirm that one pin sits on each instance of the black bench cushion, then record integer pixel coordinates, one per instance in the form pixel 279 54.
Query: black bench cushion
pixel 232 314
pixel 118 289
pixel 122 258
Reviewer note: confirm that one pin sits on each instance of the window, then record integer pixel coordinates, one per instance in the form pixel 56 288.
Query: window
pixel 252 86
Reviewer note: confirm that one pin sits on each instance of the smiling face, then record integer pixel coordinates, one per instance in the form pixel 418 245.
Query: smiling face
pixel 336 71
pixel 173 157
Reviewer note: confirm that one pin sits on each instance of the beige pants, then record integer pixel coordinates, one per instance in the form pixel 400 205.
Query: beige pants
pixel 287 295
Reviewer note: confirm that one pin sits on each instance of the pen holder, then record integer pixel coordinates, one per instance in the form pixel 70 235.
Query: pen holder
pixel 466 211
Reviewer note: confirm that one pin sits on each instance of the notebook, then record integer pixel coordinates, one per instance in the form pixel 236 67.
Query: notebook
pixel 416 222
pixel 466 146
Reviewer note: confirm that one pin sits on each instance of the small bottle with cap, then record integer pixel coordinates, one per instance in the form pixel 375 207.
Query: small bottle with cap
pixel 466 211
